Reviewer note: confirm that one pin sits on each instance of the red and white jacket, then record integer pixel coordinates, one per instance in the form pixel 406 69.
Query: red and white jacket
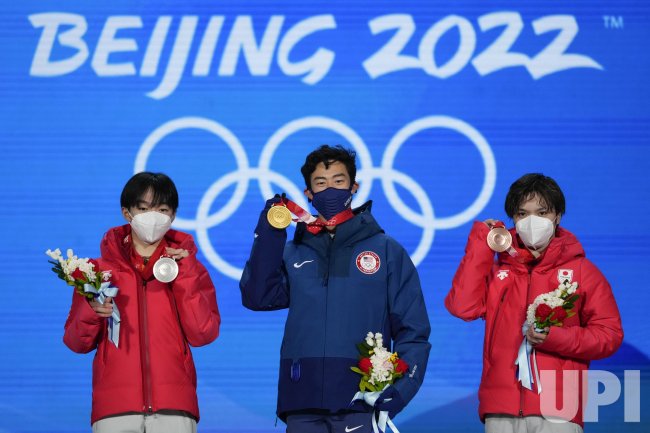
pixel 152 370
pixel 500 292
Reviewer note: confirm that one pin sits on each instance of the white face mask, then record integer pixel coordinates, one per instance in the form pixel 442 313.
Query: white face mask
pixel 151 226
pixel 536 232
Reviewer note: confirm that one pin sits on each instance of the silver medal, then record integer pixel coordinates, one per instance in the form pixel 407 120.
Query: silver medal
pixel 165 269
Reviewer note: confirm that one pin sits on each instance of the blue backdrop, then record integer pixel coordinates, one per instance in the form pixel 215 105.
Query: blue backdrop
pixel 447 103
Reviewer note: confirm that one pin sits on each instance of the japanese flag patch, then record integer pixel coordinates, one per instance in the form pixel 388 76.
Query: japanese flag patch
pixel 565 275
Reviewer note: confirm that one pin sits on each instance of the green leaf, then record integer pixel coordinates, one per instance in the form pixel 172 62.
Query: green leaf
pixel 357 370
pixel 364 349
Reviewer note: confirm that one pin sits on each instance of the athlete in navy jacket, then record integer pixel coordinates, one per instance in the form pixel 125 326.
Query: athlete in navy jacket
pixel 339 283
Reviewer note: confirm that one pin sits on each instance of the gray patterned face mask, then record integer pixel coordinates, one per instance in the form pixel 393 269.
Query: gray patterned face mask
pixel 535 232
pixel 150 226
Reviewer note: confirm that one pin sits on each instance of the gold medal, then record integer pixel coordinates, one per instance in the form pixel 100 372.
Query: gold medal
pixel 165 269
pixel 279 217
pixel 499 239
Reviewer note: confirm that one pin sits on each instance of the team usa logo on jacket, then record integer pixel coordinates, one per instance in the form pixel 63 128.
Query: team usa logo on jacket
pixel 368 262
pixel 503 274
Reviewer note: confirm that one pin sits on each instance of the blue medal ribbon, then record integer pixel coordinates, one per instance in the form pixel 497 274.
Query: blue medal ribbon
pixel 525 371
pixel 377 425
pixel 106 290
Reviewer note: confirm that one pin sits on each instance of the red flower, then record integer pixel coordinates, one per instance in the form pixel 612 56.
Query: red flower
pixel 401 367
pixel 78 275
pixel 542 312
pixel 559 314
pixel 365 365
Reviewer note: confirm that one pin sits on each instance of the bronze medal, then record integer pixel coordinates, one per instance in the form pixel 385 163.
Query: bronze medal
pixel 279 217
pixel 499 239
pixel 165 269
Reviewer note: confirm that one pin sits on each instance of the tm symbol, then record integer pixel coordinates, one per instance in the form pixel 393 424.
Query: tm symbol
pixel 613 22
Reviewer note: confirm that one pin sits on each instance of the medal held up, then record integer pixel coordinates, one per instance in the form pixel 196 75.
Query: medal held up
pixel 279 216
pixel 165 269
pixel 499 238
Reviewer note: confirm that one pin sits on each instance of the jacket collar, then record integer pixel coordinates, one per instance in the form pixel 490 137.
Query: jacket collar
pixel 117 241
pixel 363 225
pixel 562 248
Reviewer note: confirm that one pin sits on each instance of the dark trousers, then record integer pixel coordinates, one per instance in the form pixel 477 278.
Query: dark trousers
pixel 357 422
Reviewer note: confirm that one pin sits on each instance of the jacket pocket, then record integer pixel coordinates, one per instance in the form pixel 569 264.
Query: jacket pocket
pixel 295 370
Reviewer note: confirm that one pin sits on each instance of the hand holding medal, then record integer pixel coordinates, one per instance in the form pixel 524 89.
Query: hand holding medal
pixel 166 269
pixel 499 238
pixel 279 216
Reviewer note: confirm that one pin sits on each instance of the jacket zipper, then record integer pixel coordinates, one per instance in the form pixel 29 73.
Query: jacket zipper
pixel 521 388
pixel 144 350
pixel 326 279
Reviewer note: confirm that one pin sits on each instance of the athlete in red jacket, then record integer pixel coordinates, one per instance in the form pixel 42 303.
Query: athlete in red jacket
pixel 500 293
pixel 149 381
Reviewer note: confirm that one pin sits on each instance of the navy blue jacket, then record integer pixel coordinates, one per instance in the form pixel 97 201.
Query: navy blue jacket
pixel 333 304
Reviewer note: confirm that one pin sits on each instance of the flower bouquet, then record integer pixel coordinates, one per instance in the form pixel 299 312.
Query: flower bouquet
pixel 548 309
pixel 377 366
pixel 89 281
pixel 379 369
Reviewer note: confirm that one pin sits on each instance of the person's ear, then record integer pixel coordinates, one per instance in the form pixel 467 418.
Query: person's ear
pixel 308 194
pixel 173 216
pixel 557 220
pixel 355 187
pixel 127 216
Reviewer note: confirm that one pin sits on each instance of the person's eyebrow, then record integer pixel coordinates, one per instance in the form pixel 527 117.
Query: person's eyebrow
pixel 143 202
pixel 521 209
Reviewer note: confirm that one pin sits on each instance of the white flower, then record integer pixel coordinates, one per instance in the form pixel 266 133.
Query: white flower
pixel 56 254
pixel 70 253
pixel 572 289
pixel 370 342
pixel 106 275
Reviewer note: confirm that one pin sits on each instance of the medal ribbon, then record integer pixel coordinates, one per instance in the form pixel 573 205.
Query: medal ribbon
pixel 106 290
pixel 315 225
pixel 380 419
pixel 527 374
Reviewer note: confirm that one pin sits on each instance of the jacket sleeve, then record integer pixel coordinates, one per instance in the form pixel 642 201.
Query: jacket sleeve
pixel 83 328
pixel 409 322
pixel 264 283
pixel 196 301
pixel 600 332
pixel 467 297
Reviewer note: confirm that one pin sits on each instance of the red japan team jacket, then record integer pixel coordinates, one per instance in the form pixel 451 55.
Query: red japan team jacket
pixel 152 369
pixel 500 292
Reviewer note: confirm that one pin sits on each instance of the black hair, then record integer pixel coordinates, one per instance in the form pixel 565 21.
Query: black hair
pixel 327 155
pixel 535 184
pixel 162 187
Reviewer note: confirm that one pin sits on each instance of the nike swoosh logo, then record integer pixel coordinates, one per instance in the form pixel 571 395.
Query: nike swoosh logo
pixel 297 265
pixel 347 430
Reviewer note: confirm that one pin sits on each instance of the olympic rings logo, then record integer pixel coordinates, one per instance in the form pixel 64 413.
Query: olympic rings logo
pixel 366 174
